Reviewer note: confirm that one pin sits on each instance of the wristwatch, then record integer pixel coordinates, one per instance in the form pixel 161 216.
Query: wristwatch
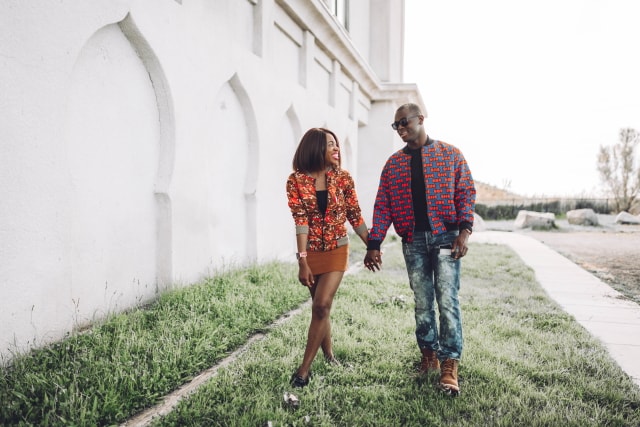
pixel 301 255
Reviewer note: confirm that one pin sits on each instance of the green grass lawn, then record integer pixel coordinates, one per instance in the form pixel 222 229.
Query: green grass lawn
pixel 525 363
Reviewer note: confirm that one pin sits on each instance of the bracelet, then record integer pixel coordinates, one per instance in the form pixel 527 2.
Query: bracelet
pixel 467 229
pixel 301 255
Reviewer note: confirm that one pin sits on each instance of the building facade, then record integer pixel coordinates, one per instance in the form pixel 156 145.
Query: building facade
pixel 146 143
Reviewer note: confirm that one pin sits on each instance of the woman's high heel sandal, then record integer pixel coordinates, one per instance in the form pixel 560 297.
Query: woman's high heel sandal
pixel 299 382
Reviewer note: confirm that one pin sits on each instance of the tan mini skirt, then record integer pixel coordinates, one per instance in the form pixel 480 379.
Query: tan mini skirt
pixel 325 262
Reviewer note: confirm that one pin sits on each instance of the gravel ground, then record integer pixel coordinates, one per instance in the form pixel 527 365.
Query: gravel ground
pixel 610 251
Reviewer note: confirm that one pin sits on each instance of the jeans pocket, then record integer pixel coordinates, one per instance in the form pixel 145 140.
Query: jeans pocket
pixel 445 252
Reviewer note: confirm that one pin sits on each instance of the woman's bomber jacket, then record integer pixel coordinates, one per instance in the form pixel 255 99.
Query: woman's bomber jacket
pixel 450 193
pixel 326 232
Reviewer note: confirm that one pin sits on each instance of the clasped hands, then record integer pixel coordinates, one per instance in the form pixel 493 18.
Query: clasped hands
pixel 373 258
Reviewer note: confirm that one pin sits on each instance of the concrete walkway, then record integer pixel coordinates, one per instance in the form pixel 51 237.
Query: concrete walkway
pixel 594 304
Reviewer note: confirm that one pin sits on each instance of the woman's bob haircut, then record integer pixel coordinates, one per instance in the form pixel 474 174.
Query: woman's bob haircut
pixel 311 153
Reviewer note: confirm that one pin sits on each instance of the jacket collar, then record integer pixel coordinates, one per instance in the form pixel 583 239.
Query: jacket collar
pixel 301 175
pixel 407 150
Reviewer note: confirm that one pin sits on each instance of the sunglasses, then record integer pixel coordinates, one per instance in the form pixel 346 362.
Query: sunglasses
pixel 402 122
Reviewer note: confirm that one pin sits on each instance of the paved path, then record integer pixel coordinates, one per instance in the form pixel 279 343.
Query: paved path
pixel 594 304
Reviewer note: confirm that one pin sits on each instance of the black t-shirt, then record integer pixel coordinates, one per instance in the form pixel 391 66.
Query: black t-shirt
pixel 321 195
pixel 418 192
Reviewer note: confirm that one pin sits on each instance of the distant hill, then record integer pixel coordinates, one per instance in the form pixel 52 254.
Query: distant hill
pixel 486 194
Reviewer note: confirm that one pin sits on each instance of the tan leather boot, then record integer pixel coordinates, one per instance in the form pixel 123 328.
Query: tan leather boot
pixel 429 362
pixel 449 377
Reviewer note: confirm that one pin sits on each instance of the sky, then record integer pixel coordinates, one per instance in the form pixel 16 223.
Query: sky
pixel 528 90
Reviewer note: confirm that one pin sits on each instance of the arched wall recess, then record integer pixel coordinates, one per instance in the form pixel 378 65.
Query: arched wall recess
pixel 166 156
pixel 233 175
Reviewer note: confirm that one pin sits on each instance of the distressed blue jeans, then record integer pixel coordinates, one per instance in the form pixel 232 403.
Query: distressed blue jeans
pixel 434 277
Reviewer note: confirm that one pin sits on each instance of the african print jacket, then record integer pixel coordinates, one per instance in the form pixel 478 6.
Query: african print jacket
pixel 325 232
pixel 450 192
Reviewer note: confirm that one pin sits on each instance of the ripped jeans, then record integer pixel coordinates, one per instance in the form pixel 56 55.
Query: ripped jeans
pixel 435 277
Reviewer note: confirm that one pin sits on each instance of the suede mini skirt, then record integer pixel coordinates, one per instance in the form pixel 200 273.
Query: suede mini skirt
pixel 328 261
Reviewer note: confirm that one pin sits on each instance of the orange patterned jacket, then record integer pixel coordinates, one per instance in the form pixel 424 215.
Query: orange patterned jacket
pixel 326 232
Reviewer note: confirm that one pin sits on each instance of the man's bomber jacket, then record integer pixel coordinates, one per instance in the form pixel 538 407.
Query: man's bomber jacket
pixel 450 193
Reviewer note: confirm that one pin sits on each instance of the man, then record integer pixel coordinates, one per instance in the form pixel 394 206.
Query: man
pixel 426 190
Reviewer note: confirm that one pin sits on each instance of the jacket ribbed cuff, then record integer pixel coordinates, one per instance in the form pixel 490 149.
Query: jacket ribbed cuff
pixel 374 245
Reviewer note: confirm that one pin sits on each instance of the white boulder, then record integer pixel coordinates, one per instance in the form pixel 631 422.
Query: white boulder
pixel 478 223
pixel 582 217
pixel 537 220
pixel 626 218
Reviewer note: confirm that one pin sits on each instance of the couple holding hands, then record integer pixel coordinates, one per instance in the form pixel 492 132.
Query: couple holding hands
pixel 427 192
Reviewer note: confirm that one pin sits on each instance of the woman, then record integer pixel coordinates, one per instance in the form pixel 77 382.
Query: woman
pixel 322 198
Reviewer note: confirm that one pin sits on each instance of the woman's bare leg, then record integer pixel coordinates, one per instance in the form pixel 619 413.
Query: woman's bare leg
pixel 326 345
pixel 320 328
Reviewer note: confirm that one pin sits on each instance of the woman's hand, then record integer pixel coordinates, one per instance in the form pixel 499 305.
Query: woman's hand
pixel 305 276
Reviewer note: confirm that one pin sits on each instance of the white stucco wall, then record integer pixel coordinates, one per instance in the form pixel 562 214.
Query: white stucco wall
pixel 146 143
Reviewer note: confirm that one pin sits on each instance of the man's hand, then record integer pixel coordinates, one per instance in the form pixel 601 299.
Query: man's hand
pixel 373 260
pixel 459 247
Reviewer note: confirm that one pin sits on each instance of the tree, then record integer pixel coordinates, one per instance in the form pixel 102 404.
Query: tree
pixel 619 171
